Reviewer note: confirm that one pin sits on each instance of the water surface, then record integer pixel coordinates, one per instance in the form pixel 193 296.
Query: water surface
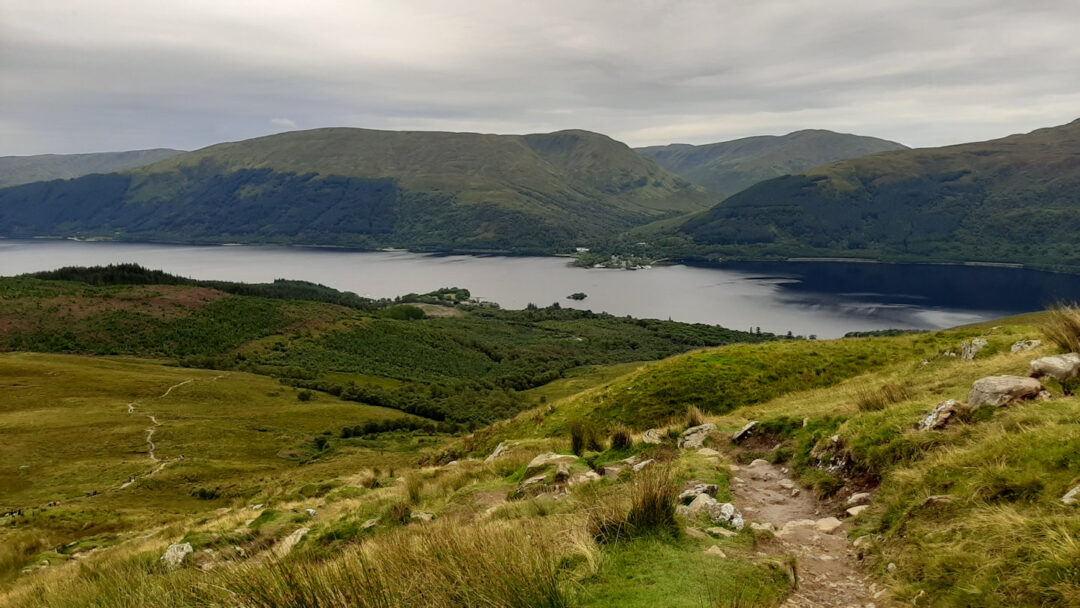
pixel 827 299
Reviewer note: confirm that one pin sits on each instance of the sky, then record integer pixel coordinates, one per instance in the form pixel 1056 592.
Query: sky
pixel 101 75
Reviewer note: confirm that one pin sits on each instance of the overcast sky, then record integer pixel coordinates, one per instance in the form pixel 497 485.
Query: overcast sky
pixel 96 75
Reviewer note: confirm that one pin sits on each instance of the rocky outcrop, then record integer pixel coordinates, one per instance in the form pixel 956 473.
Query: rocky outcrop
pixel 694 437
pixel 940 416
pixel 695 489
pixel 500 449
pixel 175 554
pixel 970 348
pixel 544 461
pixel 1024 345
pixel 998 391
pixel 653 436
pixel 720 513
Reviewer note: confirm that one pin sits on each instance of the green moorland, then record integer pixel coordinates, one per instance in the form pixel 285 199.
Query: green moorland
pixel 966 516
pixel 16 170
pixel 367 188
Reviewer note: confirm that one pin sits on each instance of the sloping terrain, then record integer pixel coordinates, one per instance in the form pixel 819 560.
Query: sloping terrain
pixel 1006 200
pixel 727 167
pixel 369 188
pixel 15 170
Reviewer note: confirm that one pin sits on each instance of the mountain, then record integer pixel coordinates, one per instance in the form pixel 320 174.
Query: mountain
pixel 343 186
pixel 730 166
pixel 15 170
pixel 1015 199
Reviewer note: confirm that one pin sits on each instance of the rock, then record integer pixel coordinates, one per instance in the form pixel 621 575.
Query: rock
pixel 562 472
pixel 863 542
pixel 1058 367
pixel 452 463
pixel 612 470
pixel 695 533
pixel 795 524
pixel 641 465
pixel 721 513
pixel 421 516
pixel 787 484
pixel 694 437
pixel 795 492
pixel 1072 496
pixel 854 511
pixel 937 499
pixel 714 550
pixel 653 436
pixel 585 477
pixel 544 461
pixel 828 525
pixel 310 512
pixel 940 416
pixel 1024 345
pixel 970 348
pixel 531 485
pixel 1000 391
pixel 708 452
pixel 744 432
pixel 175 554
pixel 762 527
pixel 369 524
pixel 860 498
pixel 718 531
pixel 697 489
pixel 286 545
pixel 257 507
pixel 891 567
pixel 758 462
pixel 500 449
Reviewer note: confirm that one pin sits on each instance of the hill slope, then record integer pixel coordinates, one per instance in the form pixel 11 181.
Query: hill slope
pixel 730 166
pixel 367 188
pixel 1014 199
pixel 15 170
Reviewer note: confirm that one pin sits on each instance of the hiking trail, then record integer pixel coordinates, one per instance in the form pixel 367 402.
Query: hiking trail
pixel 150 435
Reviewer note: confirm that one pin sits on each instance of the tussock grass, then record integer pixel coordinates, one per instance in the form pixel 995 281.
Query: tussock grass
pixel 875 399
pixel 621 437
pixel 1061 325
pixel 414 487
pixel 653 497
pixel 584 436
pixel 694 416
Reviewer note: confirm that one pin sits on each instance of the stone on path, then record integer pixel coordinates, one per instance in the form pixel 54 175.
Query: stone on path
pixel 855 511
pixel 828 525
pixel 758 462
pixel 860 498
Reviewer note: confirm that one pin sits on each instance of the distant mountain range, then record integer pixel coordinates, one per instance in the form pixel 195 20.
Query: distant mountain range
pixel 730 166
pixel 1015 199
pixel 15 170
pixel 360 187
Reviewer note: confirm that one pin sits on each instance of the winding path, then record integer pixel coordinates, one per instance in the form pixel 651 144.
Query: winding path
pixel 828 573
pixel 150 435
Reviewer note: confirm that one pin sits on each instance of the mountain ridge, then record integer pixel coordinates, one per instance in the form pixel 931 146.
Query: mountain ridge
pixel 18 170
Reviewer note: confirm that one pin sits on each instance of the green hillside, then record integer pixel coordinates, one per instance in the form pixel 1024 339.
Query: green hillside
pixel 727 167
pixel 15 170
pixel 1007 200
pixel 366 188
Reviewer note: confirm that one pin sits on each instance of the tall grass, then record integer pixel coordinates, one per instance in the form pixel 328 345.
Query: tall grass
pixel 653 497
pixel 694 416
pixel 621 437
pixel 876 399
pixel 414 487
pixel 1062 327
pixel 584 436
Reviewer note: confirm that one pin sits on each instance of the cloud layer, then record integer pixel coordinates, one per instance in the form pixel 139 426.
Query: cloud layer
pixel 80 76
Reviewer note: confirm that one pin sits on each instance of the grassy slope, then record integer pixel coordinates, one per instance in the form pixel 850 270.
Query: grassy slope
pixel 361 187
pixel 1005 200
pixel 725 168
pixel 15 170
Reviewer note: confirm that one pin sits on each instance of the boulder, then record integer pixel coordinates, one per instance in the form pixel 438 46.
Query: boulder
pixel 653 436
pixel 544 461
pixel 859 498
pixel 585 477
pixel 175 554
pixel 998 391
pixel 694 437
pixel 720 513
pixel 744 432
pixel 1024 345
pixel 855 511
pixel 970 348
pixel 1072 496
pixel 1058 367
pixel 758 462
pixel 940 416
pixel 421 516
pixel 787 484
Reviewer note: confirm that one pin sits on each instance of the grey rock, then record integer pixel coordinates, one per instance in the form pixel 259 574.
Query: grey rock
pixel 1024 345
pixel 998 391
pixel 421 516
pixel 544 461
pixel 970 348
pixel 562 472
pixel 697 489
pixel 641 465
pixel 694 437
pixel 653 436
pixel 940 416
pixel 175 554
pixel 860 498
pixel 1058 367
pixel 744 432
pixel 369 524
pixel 500 449
pixel 1072 496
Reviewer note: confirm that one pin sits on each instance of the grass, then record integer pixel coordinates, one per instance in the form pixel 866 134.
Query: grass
pixel 876 399
pixel 1062 327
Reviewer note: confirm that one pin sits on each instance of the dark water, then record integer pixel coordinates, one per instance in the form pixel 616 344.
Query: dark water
pixel 823 298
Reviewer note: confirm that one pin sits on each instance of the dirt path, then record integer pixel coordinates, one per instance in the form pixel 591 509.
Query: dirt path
pixel 150 435
pixel 828 571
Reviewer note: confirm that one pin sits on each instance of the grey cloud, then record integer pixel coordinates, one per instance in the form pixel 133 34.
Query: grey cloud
pixel 115 74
